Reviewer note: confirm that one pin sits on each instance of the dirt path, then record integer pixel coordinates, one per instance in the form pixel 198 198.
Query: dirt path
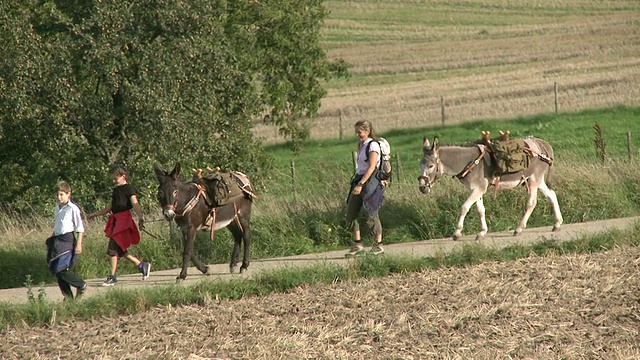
pixel 418 248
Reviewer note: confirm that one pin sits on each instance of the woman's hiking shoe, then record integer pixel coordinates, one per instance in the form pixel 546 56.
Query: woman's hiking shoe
pixel 377 249
pixel 145 269
pixel 355 250
pixel 111 280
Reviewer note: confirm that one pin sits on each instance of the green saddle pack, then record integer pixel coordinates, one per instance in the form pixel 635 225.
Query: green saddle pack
pixel 222 188
pixel 510 155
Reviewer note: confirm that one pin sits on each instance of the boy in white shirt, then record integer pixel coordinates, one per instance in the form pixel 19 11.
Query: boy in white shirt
pixel 63 246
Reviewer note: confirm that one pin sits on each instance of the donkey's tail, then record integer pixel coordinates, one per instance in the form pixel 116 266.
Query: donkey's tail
pixel 551 167
pixel 549 179
pixel 546 155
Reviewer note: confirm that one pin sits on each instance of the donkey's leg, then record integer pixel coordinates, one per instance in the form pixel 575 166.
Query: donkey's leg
pixel 531 204
pixel 188 237
pixel 188 254
pixel 483 220
pixel 199 265
pixel 476 194
pixel 246 238
pixel 551 195
pixel 237 239
pixel 242 237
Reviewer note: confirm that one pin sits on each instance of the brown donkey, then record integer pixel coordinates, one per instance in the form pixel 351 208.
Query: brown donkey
pixel 194 207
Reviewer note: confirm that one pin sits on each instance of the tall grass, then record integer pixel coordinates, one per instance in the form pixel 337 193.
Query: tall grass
pixel 312 218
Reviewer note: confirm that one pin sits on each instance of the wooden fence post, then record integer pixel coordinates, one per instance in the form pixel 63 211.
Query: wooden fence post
pixel 555 95
pixel 355 160
pixel 398 166
pixel 340 131
pixel 442 109
pixel 629 146
pixel 293 181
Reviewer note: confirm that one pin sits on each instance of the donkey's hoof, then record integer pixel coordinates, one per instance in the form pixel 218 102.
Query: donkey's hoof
pixel 479 237
pixel 232 269
pixel 456 237
pixel 242 269
pixel 179 280
pixel 555 228
pixel 205 270
pixel 517 232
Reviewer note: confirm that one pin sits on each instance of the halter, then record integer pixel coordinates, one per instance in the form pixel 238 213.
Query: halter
pixel 192 202
pixel 436 175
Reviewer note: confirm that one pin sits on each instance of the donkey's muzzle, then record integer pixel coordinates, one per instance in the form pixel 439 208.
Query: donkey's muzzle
pixel 423 185
pixel 169 214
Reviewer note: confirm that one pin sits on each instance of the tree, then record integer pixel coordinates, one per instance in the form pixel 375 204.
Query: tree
pixel 87 85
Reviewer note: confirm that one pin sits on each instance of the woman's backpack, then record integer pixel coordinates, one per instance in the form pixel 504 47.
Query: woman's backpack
pixel 385 170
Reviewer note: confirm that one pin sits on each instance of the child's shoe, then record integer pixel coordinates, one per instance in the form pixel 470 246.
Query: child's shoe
pixel 145 269
pixel 111 280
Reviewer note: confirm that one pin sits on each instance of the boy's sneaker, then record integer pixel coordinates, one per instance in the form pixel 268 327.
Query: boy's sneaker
pixel 377 248
pixel 111 280
pixel 355 250
pixel 80 291
pixel 145 269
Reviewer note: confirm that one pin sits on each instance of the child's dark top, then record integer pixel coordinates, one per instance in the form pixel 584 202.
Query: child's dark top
pixel 121 198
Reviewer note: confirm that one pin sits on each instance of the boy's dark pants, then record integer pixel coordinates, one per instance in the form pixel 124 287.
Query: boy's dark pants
pixel 61 259
pixel 66 279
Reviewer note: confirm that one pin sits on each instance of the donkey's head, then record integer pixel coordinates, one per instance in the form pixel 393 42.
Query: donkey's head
pixel 168 190
pixel 430 165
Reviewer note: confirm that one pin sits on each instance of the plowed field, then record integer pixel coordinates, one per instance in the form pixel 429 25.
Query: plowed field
pixel 577 306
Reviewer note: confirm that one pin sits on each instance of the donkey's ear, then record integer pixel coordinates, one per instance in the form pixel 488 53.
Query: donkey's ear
pixel 436 143
pixel 425 143
pixel 159 172
pixel 175 172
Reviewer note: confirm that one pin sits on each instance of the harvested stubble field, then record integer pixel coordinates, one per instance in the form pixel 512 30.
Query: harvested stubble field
pixel 558 306
pixel 486 59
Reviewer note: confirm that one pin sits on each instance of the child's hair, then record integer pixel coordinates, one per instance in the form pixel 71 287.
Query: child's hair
pixel 117 169
pixel 63 186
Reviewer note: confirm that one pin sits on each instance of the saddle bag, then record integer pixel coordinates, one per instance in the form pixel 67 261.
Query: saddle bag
pixel 222 188
pixel 510 155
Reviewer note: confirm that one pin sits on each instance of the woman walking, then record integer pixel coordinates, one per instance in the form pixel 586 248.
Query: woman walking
pixel 366 190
